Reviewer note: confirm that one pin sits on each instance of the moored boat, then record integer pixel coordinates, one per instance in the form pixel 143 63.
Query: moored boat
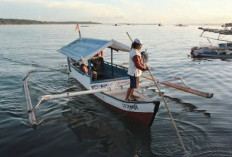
pixel 222 51
pixel 211 52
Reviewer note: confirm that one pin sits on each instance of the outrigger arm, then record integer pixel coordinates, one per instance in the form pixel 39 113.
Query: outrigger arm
pixel 69 94
pixel 184 88
pixel 31 109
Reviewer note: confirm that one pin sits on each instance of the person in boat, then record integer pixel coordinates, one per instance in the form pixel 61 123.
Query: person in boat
pixel 135 69
pixel 84 68
pixel 98 61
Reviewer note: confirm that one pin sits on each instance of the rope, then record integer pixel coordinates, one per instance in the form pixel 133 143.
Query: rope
pixel 180 78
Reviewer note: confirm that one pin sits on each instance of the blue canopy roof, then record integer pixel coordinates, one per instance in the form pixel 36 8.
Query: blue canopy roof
pixel 87 47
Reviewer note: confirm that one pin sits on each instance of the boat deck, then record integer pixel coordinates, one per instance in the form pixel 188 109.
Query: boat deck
pixel 121 95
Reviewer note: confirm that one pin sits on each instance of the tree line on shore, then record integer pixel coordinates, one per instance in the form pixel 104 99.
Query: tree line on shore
pixel 29 22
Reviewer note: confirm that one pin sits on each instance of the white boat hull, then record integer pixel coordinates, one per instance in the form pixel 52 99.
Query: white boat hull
pixel 143 112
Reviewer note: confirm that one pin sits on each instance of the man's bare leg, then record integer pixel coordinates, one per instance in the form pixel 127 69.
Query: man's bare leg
pixel 128 94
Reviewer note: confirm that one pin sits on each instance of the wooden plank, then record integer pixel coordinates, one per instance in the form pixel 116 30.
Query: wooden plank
pixel 121 95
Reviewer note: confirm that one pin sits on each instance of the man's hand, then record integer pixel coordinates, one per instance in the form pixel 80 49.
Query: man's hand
pixel 148 68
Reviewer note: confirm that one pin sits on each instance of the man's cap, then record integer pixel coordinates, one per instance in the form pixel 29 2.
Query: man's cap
pixel 138 41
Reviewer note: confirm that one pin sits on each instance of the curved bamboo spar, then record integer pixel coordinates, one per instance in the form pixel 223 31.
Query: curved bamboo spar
pixel 169 113
pixel 189 90
pixel 69 94
pixel 185 89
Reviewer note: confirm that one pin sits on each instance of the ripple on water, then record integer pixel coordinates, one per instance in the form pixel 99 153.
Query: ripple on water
pixel 191 134
pixel 81 126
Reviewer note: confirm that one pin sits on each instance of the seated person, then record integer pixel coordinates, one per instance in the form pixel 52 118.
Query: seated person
pixel 98 61
pixel 85 69
pixel 100 54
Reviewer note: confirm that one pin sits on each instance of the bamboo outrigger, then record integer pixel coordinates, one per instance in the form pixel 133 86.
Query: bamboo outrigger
pixel 111 85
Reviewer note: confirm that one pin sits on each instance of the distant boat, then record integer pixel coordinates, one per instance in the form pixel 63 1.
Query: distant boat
pixel 181 25
pixel 212 52
pixel 160 24
pixel 222 51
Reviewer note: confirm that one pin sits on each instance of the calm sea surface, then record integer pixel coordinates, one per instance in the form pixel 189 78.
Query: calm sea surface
pixel 83 126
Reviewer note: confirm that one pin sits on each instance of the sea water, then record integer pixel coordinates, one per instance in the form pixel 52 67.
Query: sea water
pixel 83 125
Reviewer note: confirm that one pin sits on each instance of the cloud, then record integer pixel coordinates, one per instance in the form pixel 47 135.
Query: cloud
pixel 67 10
pixel 146 11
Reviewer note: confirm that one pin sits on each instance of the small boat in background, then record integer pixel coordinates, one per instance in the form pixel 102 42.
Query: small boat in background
pixel 181 25
pixel 222 51
pixel 212 52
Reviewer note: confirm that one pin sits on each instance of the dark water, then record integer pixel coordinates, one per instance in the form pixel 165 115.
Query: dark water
pixel 83 126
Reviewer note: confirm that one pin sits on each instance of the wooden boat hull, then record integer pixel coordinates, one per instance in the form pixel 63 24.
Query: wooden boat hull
pixel 143 112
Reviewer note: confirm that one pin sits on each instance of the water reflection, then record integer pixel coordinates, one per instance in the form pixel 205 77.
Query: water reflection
pixel 188 107
pixel 106 135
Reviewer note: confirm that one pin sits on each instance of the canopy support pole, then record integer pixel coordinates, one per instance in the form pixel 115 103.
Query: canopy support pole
pixel 112 68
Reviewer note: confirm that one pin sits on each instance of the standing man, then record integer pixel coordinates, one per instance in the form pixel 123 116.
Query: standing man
pixel 135 69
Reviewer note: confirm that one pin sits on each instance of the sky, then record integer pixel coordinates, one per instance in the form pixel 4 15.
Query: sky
pixel 120 11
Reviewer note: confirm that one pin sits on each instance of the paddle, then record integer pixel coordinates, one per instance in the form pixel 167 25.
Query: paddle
pixel 169 113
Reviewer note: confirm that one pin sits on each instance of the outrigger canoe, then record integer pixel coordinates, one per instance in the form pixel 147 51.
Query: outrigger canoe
pixel 112 81
pixel 111 84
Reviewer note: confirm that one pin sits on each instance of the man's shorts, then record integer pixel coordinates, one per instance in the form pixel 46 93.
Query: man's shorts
pixel 134 82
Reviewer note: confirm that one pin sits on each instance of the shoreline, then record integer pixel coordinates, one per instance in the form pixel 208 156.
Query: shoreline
pixel 4 21
pixel 35 22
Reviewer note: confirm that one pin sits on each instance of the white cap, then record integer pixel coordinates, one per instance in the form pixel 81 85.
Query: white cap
pixel 138 41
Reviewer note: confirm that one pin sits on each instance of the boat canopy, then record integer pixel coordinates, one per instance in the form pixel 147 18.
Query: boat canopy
pixel 86 48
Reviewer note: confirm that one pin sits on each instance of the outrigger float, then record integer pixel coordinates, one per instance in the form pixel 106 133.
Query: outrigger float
pixel 111 84
pixel 222 51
